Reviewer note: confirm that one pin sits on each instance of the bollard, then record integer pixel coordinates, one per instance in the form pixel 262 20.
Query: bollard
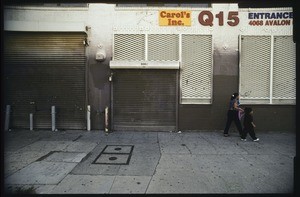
pixel 88 117
pixel 106 119
pixel 53 117
pixel 7 116
pixel 31 121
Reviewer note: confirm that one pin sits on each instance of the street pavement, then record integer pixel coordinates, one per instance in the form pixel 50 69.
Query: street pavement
pixel 124 162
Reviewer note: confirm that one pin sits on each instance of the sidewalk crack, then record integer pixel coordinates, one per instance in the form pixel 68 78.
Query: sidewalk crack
pixel 156 164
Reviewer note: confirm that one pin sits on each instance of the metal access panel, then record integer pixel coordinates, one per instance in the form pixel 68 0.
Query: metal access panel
pixel 43 69
pixel 144 100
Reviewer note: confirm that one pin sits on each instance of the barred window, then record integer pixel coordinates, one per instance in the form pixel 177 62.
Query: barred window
pixel 267 70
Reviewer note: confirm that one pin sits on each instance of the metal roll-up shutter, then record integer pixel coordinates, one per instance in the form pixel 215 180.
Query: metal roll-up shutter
pixel 144 100
pixel 43 69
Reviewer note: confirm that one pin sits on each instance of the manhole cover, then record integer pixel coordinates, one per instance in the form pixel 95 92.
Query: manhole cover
pixel 115 155
pixel 113 158
pixel 119 149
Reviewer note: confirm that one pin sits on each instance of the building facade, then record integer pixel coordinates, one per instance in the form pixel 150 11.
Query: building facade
pixel 151 68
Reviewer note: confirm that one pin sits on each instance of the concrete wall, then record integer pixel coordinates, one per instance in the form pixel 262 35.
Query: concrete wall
pixel 100 21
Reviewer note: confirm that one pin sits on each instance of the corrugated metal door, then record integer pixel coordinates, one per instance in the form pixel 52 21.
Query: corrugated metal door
pixel 144 100
pixel 44 69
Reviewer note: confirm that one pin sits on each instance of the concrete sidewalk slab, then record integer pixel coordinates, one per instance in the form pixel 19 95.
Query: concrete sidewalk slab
pixel 47 146
pixel 65 157
pixel 14 141
pixel 178 181
pixel 15 161
pixel 69 135
pixel 174 148
pixel 41 173
pixel 38 189
pixel 130 185
pixel 84 184
pixel 140 165
pixel 91 136
pixel 84 147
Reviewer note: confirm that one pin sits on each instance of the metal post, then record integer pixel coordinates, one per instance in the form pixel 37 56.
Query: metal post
pixel 88 117
pixel 53 117
pixel 7 116
pixel 31 121
pixel 106 119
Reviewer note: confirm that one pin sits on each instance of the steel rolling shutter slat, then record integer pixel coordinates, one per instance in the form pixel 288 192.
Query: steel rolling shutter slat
pixel 144 99
pixel 48 69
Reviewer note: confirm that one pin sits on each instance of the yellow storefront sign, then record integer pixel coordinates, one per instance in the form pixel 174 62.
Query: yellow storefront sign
pixel 174 18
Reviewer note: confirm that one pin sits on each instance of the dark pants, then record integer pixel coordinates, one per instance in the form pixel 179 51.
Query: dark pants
pixel 250 131
pixel 232 115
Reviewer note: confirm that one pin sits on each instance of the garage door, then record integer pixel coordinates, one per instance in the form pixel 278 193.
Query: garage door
pixel 41 70
pixel 144 100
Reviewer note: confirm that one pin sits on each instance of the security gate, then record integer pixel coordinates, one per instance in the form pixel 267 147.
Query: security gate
pixel 144 100
pixel 43 69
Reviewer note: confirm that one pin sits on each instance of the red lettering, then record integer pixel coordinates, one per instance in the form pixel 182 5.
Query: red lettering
pixel 208 21
pixel 234 17
pixel 221 18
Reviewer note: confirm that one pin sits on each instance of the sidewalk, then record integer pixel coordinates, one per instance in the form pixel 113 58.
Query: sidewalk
pixel 69 162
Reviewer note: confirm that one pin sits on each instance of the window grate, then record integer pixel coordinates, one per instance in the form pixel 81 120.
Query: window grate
pixel 196 73
pixel 129 47
pixel 163 47
pixel 255 67
pixel 284 73
pixel 267 70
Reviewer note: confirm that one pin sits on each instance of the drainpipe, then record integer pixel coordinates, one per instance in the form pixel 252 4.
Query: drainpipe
pixel 53 117
pixel 7 116
pixel 106 119
pixel 88 117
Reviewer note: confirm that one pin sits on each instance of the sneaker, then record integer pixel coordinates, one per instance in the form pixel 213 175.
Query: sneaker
pixel 226 135
pixel 244 139
pixel 256 140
